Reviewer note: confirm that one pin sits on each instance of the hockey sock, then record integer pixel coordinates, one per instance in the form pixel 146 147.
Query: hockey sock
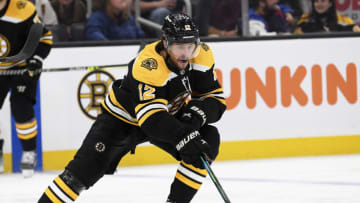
pixel 27 134
pixel 187 182
pixel 64 188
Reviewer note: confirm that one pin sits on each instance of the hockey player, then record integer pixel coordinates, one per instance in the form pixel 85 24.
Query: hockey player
pixel 149 105
pixel 16 19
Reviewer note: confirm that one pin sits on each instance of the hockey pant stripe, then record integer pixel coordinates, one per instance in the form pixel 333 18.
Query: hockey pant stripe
pixel 65 189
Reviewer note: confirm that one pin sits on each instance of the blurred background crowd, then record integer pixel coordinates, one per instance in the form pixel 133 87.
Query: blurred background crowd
pixel 84 20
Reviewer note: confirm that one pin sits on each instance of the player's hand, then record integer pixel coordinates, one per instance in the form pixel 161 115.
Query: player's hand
pixel 191 147
pixel 193 115
pixel 34 66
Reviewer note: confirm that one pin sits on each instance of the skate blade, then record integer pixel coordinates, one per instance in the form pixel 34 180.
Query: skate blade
pixel 27 173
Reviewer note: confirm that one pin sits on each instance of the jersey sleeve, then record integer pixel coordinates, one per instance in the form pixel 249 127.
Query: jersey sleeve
pixel 46 40
pixel 153 115
pixel 151 105
pixel 207 92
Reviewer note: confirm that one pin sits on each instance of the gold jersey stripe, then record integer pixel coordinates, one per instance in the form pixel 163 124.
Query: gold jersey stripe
pixel 65 188
pixel 24 126
pixel 197 170
pixel 219 90
pixel 140 106
pixel 116 115
pixel 115 101
pixel 48 33
pixel 28 136
pixel 47 41
pixel 187 181
pixel 51 196
pixel 219 99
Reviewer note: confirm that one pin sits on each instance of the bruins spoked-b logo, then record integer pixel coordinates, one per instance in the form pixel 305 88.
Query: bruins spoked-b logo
pixel 92 90
pixel 149 63
pixel 4 46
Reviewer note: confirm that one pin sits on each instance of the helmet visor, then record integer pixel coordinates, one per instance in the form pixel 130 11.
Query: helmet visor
pixel 185 50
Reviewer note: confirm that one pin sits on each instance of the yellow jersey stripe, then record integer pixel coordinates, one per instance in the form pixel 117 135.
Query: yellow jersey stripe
pixel 219 99
pixel 116 115
pixel 140 106
pixel 115 101
pixel 219 90
pixel 49 42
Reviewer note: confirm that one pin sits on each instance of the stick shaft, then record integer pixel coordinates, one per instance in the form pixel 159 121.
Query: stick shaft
pixel 77 68
pixel 214 179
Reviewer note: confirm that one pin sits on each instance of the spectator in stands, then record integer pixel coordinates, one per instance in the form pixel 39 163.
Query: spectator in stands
pixel 45 12
pixel 156 10
pixel 324 18
pixel 70 13
pixel 113 21
pixel 267 17
pixel 225 17
pixel 201 15
pixel 298 9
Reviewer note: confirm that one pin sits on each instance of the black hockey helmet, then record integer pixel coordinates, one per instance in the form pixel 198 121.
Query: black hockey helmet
pixel 180 28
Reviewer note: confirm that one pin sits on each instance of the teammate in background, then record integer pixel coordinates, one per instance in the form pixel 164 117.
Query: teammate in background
pixel 149 105
pixel 16 19
pixel 324 18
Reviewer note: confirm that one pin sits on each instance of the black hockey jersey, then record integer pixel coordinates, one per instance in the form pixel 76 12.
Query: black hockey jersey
pixel 151 96
pixel 16 19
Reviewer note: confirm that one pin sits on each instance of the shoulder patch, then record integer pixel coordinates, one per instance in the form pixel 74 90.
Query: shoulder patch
pixel 21 4
pixel 149 63
pixel 205 46
pixel 150 68
pixel 19 11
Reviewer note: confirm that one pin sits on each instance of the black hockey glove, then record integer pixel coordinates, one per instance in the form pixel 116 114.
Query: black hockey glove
pixel 34 66
pixel 193 115
pixel 191 147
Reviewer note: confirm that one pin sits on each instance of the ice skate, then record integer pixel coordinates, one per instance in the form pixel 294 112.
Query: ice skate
pixel 28 162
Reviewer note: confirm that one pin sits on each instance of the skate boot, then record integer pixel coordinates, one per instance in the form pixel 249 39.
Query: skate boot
pixel 1 156
pixel 170 201
pixel 28 162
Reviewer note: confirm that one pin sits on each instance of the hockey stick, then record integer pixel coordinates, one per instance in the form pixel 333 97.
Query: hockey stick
pixel 30 45
pixel 206 164
pixel 90 68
